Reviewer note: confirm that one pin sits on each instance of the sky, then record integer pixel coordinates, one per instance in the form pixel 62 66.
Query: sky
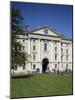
pixel 58 17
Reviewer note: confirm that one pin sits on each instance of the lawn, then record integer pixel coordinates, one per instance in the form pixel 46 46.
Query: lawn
pixel 41 85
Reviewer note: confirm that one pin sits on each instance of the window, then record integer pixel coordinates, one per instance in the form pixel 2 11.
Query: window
pixel 62 65
pixel 55 48
pixel 61 57
pixel 23 40
pixel 67 57
pixel 55 66
pixel 61 50
pixel 61 43
pixel 66 50
pixel 46 31
pixel 34 66
pixel 23 67
pixel 34 47
pixel 23 48
pixel 55 57
pixel 45 46
pixel 19 47
pixel 55 42
pixel 33 40
pixel 66 66
pixel 15 67
pixel 33 56
pixel 67 44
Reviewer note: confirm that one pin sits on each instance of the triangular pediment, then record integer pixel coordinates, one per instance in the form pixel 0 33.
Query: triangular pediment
pixel 46 31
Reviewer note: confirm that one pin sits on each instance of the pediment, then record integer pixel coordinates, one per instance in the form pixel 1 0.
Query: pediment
pixel 46 31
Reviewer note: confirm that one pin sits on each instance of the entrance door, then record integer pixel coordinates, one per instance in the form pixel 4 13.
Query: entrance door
pixel 45 63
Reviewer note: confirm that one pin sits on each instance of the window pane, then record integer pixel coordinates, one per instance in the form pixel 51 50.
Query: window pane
pixel 67 44
pixel 45 46
pixel 33 40
pixel 62 58
pixel 55 48
pixel 66 66
pixel 34 47
pixel 67 57
pixel 34 67
pixel 66 50
pixel 55 42
pixel 23 67
pixel 61 50
pixel 20 47
pixel 15 67
pixel 61 43
pixel 33 56
pixel 23 48
pixel 23 40
pixel 55 57
pixel 55 66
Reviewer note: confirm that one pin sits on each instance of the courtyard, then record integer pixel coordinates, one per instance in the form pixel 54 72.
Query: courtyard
pixel 41 85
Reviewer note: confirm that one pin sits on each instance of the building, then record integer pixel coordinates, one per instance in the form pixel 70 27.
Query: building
pixel 48 50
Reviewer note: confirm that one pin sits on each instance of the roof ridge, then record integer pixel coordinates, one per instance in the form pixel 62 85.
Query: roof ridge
pixel 39 28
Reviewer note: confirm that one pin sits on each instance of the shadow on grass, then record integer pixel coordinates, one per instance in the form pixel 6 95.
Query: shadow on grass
pixel 21 76
pixel 31 75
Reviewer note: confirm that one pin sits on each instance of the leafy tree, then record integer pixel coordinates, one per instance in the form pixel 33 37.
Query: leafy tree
pixel 17 56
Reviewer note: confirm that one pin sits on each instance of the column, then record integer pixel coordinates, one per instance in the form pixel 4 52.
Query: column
pixel 29 46
pixel 51 54
pixel 59 56
pixel 51 51
pixel 38 50
pixel 29 67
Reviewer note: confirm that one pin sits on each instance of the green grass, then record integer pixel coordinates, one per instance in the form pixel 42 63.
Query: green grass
pixel 41 85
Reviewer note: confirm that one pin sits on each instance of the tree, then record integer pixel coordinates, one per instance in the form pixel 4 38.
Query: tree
pixel 17 56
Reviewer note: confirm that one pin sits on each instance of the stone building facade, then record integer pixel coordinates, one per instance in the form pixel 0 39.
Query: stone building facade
pixel 48 50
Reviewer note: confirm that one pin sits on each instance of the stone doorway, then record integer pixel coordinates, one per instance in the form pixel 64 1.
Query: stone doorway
pixel 45 63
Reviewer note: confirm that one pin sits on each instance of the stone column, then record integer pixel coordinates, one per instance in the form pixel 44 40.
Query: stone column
pixel 51 51
pixel 39 64
pixel 51 54
pixel 28 45
pixel 38 50
pixel 28 51
pixel 59 55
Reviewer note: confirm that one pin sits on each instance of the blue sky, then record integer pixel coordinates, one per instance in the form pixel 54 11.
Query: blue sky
pixel 58 17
